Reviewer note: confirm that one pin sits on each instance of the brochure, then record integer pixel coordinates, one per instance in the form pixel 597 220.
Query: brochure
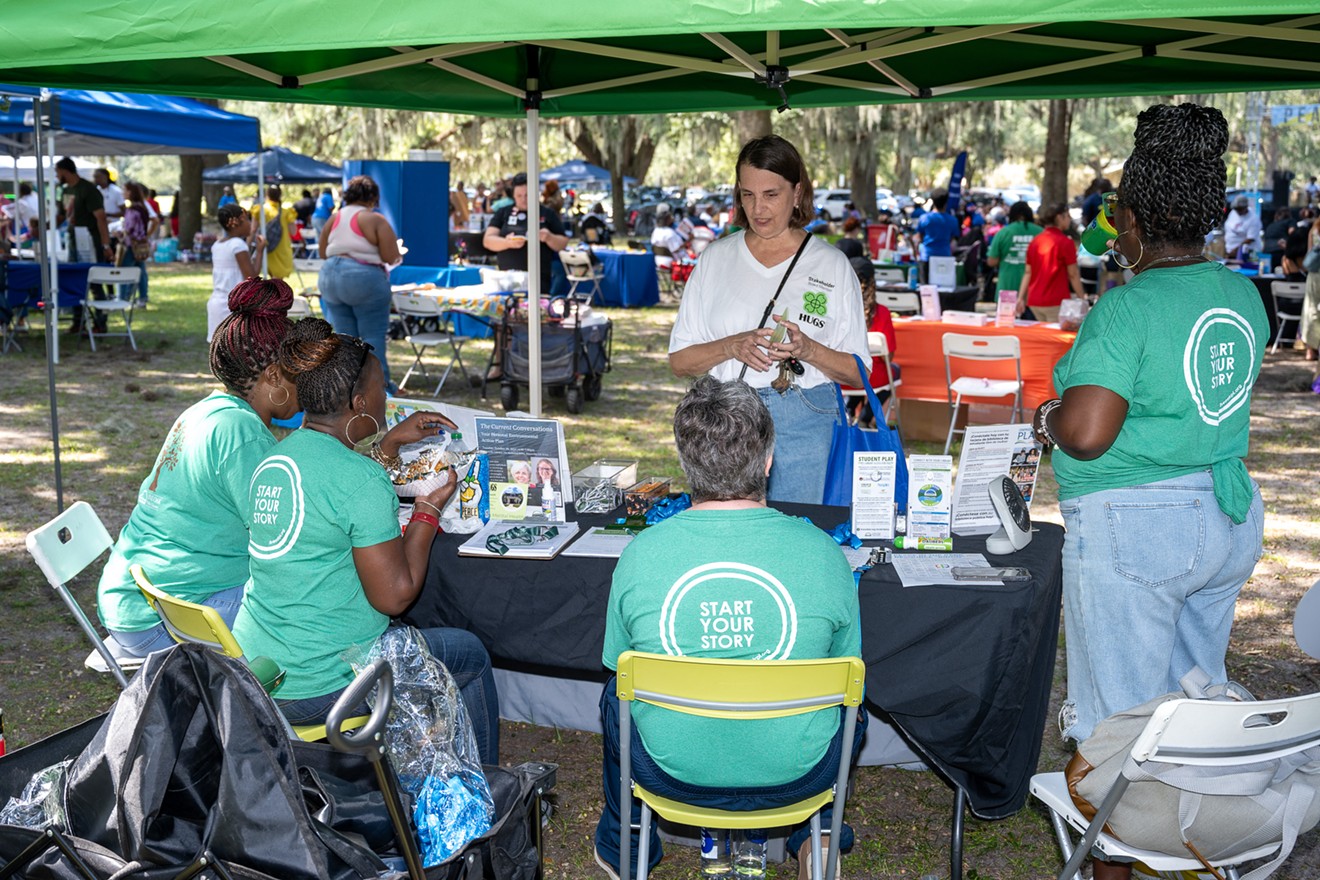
pixel 930 481
pixel 529 473
pixel 873 494
pixel 990 451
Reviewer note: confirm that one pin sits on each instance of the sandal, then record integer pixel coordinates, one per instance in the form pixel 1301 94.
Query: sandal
pixel 804 857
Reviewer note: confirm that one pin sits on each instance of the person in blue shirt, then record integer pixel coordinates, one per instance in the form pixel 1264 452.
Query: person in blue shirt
pixel 227 198
pixel 935 231
pixel 325 207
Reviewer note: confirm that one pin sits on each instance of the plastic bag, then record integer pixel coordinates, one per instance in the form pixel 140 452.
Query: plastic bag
pixel 41 803
pixel 431 746
pixel 1072 312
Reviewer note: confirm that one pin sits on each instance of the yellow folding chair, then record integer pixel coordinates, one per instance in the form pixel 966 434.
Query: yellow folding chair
pixel 736 690
pixel 202 625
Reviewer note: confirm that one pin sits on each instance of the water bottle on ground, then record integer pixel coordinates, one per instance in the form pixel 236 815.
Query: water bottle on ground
pixel 715 853
pixel 749 861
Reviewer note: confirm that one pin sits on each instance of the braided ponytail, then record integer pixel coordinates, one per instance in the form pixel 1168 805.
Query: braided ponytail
pixel 248 340
pixel 325 366
pixel 1174 179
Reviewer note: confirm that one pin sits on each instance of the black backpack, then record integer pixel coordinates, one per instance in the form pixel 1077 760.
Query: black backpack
pixel 274 232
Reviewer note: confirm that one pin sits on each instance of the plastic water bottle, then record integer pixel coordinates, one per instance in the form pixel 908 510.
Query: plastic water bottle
pixel 715 853
pixel 457 444
pixel 749 861
pixel 914 278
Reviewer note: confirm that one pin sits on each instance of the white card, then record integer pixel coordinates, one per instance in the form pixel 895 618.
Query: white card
pixel 873 494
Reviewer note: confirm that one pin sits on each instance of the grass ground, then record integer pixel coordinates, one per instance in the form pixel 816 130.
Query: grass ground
pixel 116 405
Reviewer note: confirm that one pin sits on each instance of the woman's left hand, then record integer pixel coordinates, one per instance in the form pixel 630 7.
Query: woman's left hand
pixel 796 345
pixel 417 426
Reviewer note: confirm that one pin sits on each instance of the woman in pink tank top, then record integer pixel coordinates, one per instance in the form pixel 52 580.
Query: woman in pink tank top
pixel 359 246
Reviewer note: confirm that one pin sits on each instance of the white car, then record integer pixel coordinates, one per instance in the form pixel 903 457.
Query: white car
pixel 884 198
pixel 832 201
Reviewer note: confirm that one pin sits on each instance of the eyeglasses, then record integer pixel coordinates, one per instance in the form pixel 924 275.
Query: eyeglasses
pixel 367 348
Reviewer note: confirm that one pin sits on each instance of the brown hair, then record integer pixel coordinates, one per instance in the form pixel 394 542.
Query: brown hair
pixel 773 153
pixel 326 366
pixel 361 190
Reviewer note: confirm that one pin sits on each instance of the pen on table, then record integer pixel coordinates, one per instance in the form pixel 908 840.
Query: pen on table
pixel 907 543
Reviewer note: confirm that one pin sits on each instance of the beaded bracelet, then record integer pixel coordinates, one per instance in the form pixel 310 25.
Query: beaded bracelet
pixel 389 462
pixel 1046 408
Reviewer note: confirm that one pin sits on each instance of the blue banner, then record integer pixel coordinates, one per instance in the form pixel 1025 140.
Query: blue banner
pixel 956 182
pixel 1295 114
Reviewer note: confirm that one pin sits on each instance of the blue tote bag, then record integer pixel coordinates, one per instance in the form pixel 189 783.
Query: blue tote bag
pixel 851 438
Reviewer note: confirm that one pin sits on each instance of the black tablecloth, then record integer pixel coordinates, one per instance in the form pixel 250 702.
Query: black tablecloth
pixel 964 672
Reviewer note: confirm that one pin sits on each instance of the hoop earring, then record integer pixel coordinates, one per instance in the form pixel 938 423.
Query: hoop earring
pixel 271 396
pixel 1117 253
pixel 362 415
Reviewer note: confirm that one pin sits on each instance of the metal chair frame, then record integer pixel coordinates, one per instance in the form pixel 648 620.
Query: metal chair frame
pixel 1294 293
pixel 980 348
pixel 879 346
pixel 581 271
pixel 420 307
pixel 115 275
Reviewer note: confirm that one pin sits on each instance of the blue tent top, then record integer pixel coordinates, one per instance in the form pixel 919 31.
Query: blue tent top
pixel 122 124
pixel 278 165
pixel 580 172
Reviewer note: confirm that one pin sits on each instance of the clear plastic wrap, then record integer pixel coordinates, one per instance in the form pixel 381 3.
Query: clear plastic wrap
pixel 42 802
pixel 431 746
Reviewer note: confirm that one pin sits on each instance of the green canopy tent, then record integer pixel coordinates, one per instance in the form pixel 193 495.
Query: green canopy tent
pixel 526 57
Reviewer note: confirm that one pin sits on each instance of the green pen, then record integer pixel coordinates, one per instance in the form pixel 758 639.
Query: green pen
pixel 906 543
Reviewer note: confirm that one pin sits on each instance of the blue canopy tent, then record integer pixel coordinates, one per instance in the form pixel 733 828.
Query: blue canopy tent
pixel 42 122
pixel 275 165
pixel 580 173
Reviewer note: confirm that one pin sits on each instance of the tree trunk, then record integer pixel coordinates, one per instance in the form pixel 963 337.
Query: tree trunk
pixel 191 190
pixel 753 124
pixel 862 170
pixel 1054 186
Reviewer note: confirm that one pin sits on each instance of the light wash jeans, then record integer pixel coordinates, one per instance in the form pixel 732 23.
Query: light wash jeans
pixel 804 429
pixel 1151 575
pixel 125 645
pixel 356 300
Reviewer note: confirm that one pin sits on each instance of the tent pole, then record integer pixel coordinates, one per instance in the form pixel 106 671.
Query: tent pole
pixel 53 314
pixel 533 102
pixel 261 200
pixel 52 304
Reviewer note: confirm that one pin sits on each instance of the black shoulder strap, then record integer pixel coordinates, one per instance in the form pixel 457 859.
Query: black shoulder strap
pixel 770 306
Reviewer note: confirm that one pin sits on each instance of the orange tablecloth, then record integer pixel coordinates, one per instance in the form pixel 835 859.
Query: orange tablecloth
pixel 921 354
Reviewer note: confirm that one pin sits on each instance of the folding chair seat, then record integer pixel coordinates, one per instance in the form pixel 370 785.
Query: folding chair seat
pixel 734 689
pixel 582 271
pixel 1218 734
pixel 64 547
pixel 879 346
pixel 983 349
pixel 1288 298
pixel 416 309
pixel 190 623
pixel 116 275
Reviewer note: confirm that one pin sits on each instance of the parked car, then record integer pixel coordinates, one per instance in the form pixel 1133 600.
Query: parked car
pixel 831 201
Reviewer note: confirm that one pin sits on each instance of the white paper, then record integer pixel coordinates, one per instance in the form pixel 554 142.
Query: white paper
pixel 935 569
pixel 930 302
pixel 930 490
pixel 600 543
pixel 873 494
pixel 988 452
pixel 944 272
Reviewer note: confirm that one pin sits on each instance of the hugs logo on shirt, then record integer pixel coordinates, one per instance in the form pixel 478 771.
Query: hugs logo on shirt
pixel 815 303
pixel 277 507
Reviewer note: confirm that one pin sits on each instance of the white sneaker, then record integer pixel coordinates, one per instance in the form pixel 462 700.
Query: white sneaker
pixel 605 866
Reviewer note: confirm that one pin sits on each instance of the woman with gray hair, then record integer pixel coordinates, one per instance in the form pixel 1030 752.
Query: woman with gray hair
pixel 730 578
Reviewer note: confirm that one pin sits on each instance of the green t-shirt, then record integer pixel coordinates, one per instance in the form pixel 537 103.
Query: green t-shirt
pixel 743 584
pixel 1183 347
pixel 312 500
pixel 1009 247
pixel 189 528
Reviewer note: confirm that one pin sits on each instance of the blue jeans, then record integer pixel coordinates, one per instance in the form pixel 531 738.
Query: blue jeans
pixel 653 779
pixel 128 262
pixel 356 300
pixel 1151 575
pixel 804 429
pixel 126 645
pixel 467 661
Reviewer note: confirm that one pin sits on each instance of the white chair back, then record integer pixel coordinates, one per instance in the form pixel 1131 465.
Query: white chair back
pixel 419 305
pixel 1225 732
pixel 889 275
pixel 577 264
pixel 114 275
pixel 69 543
pixel 899 303
pixel 878 343
pixel 982 348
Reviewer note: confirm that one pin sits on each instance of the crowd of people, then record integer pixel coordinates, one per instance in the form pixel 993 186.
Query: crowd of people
pixel 297 542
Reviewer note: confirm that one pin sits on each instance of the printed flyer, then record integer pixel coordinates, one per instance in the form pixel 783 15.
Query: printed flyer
pixel 988 452
pixel 528 468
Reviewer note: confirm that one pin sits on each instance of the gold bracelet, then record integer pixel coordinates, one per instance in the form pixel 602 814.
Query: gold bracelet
pixel 437 510
pixel 389 462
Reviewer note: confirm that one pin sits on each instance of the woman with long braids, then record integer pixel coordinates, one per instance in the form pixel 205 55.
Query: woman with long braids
pixel 189 528
pixel 1164 522
pixel 329 568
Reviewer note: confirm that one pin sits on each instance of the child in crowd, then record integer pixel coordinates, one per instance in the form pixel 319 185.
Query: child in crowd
pixel 231 262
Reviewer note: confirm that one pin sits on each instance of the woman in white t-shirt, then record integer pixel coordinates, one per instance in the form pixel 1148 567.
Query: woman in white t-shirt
pixel 230 262
pixel 728 293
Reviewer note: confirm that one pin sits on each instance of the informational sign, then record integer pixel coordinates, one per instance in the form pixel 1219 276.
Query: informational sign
pixel 1294 114
pixel 989 452
pixel 930 302
pixel 529 475
pixel 873 494
pixel 930 490
pixel 944 272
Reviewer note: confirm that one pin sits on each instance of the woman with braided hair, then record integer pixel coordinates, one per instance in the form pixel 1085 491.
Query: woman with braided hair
pixel 1164 523
pixel 329 568
pixel 188 530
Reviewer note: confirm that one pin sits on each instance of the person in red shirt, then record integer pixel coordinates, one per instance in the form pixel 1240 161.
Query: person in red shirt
pixel 878 320
pixel 1051 272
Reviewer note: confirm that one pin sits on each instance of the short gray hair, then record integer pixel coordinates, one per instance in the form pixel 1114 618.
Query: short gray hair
pixel 724 434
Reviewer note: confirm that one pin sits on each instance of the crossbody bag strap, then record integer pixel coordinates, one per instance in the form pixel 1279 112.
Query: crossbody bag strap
pixel 770 306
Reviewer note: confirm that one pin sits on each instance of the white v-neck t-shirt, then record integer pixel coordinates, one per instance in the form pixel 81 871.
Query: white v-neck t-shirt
pixel 728 291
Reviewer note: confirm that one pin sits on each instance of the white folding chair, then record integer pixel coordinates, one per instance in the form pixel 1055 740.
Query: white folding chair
pixel 879 346
pixel 1288 298
pixel 417 308
pixel 962 346
pixel 129 275
pixel 582 272
pixel 64 547
pixel 300 308
pixel 308 292
pixel 899 303
pixel 890 275
pixel 1193 733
